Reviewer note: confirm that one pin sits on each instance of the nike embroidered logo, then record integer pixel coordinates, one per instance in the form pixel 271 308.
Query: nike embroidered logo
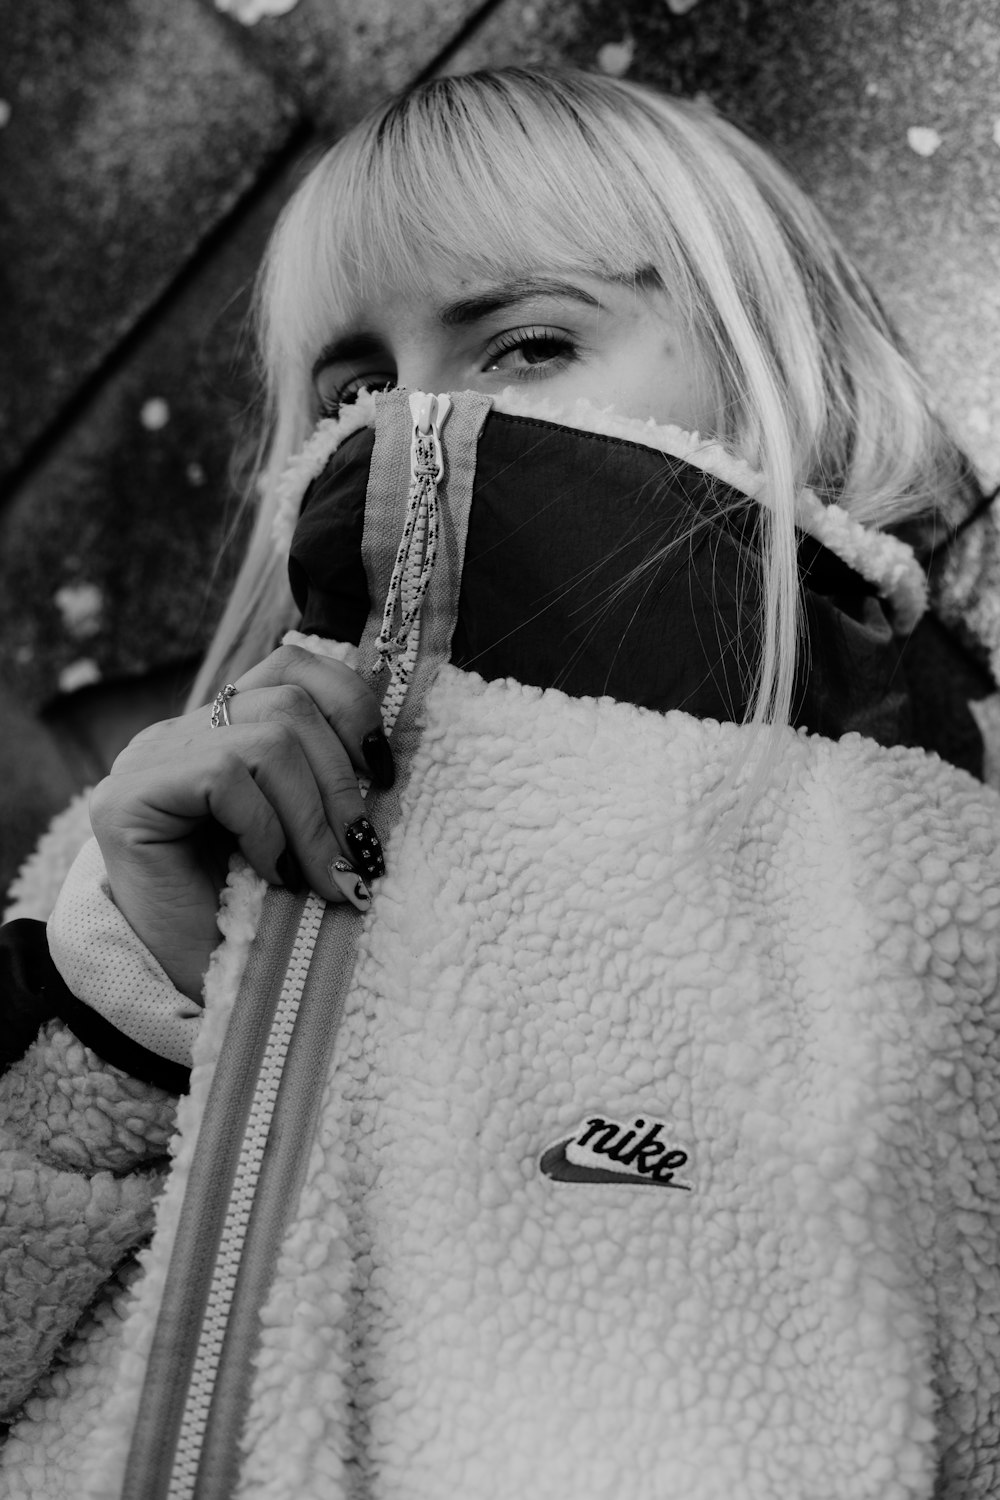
pixel 601 1150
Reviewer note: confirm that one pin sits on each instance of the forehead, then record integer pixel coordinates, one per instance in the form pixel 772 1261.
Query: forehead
pixel 470 299
pixel 374 220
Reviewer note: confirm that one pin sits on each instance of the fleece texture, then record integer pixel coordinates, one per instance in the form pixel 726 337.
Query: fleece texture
pixel 80 1148
pixel 82 1228
pixel 657 1152
pixel 808 1007
pixel 83 1149
pixel 583 920
pixel 35 889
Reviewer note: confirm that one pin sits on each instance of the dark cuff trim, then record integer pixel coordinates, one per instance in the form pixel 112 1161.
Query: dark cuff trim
pixel 34 992
pixel 26 1002
pixel 114 1047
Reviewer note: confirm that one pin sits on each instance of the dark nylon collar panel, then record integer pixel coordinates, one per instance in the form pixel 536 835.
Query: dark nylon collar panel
pixel 557 589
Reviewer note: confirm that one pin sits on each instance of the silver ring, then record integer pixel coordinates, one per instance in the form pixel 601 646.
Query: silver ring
pixel 220 708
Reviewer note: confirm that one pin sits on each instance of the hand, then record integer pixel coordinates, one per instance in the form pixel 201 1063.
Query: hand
pixel 280 783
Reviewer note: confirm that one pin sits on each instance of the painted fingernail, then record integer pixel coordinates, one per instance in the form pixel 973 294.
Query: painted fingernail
pixel 346 878
pixel 378 758
pixel 362 840
pixel 289 872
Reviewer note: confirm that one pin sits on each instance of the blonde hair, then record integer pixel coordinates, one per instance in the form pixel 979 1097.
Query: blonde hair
pixel 519 170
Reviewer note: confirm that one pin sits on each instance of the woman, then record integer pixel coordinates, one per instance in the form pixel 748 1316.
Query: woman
pixel 634 1135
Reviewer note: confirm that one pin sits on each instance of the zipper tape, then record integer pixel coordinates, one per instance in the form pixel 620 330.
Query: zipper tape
pixel 259 1122
pixel 283 1170
pixel 222 1296
pixel 206 1199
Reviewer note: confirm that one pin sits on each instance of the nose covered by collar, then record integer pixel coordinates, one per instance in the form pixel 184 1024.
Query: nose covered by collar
pixel 603 567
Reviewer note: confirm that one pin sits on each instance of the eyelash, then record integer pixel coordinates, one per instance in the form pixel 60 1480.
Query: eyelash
pixel 506 343
pixel 520 338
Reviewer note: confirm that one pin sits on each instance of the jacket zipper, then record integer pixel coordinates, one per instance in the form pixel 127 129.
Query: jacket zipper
pixel 232 1241
pixel 185 1418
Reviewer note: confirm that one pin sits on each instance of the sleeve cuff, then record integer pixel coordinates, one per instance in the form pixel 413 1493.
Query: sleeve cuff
pixel 105 966
pixel 34 992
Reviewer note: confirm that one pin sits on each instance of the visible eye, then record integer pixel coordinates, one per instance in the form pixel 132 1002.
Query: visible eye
pixel 333 395
pixel 528 353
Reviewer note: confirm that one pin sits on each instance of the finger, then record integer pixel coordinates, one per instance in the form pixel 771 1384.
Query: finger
pixel 145 807
pixel 346 703
pixel 179 754
pixel 243 808
pixel 289 710
pixel 323 817
pixel 257 784
pixel 244 803
pixel 166 855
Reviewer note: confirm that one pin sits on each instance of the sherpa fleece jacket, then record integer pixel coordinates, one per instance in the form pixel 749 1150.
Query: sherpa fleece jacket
pixel 654 1155
pixel 657 1153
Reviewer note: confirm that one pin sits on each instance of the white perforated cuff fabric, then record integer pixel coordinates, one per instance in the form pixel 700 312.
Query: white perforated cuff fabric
pixel 106 966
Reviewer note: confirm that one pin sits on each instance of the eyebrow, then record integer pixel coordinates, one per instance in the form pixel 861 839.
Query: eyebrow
pixel 507 294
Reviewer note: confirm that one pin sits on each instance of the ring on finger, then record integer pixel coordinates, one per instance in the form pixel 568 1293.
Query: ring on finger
pixel 220 708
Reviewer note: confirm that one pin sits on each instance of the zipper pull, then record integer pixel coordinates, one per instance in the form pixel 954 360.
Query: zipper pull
pixel 429 413
pixel 417 551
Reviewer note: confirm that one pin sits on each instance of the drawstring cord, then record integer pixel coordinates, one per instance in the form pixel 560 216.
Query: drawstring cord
pixel 416 556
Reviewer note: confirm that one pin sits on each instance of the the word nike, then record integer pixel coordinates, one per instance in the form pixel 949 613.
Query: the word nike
pixel 602 1150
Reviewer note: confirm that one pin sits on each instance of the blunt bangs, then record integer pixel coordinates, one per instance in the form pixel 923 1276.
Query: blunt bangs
pixel 430 189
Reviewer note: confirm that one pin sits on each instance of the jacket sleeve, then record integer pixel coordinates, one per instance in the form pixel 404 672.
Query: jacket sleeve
pixel 965 1135
pixel 82 1154
pixel 85 1117
pixel 33 992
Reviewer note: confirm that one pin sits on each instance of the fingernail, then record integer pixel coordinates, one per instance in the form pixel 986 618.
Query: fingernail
pixel 378 758
pixel 362 840
pixel 289 872
pixel 347 879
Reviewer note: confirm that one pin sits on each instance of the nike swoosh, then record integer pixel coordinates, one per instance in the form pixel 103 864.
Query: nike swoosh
pixel 555 1164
